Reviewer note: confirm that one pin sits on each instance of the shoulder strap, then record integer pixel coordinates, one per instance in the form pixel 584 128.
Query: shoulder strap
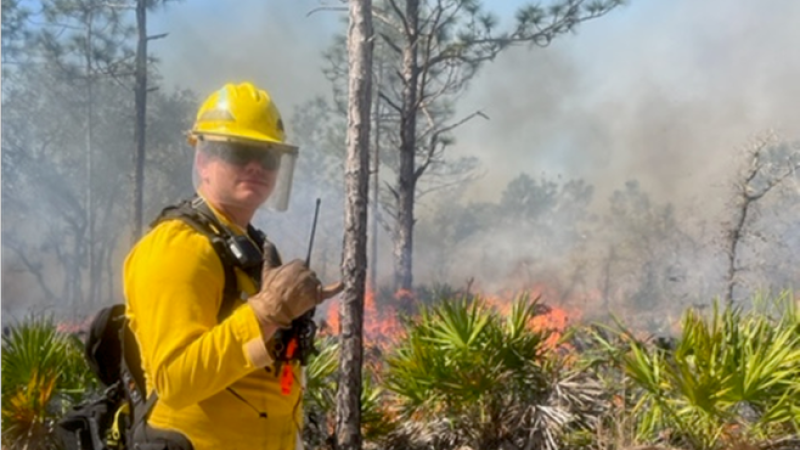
pixel 199 216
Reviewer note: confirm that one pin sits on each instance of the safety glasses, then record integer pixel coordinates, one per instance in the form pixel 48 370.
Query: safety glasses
pixel 241 155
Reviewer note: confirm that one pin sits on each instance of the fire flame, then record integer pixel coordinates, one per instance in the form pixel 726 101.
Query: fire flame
pixel 381 327
pixel 76 327
pixel 551 318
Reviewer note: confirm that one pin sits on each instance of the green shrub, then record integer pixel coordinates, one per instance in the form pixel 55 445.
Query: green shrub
pixel 731 377
pixel 466 375
pixel 320 398
pixel 43 373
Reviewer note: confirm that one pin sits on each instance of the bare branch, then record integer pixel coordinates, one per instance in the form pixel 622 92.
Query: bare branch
pixel 434 142
pixel 447 184
pixel 391 43
pixel 392 191
pixel 326 8
pixel 401 15
pixel 389 101
pixel 487 48
pixel 124 6
pixel 34 268
pixel 385 18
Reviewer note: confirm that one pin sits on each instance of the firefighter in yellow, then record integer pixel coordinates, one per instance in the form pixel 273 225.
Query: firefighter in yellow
pixel 213 380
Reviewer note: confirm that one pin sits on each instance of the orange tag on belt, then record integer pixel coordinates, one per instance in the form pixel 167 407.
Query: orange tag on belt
pixel 287 377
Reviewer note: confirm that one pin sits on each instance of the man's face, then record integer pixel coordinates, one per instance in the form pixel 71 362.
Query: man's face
pixel 236 175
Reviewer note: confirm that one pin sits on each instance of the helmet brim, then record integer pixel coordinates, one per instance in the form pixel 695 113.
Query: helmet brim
pixel 259 141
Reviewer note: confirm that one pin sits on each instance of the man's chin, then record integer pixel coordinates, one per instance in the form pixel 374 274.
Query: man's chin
pixel 253 198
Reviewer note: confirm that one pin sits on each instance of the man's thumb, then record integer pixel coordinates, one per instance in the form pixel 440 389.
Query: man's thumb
pixel 271 258
pixel 330 290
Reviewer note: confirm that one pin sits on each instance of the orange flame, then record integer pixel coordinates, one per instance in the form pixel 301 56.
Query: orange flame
pixel 381 326
pixel 332 319
pixel 77 327
pixel 555 319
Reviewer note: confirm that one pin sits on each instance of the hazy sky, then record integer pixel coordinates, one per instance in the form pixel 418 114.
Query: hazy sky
pixel 664 91
pixel 275 44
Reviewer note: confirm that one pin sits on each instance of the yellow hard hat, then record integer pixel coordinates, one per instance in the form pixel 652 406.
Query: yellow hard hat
pixel 241 113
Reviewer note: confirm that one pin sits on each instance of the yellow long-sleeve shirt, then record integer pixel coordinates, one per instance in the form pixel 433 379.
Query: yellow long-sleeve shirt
pixel 173 281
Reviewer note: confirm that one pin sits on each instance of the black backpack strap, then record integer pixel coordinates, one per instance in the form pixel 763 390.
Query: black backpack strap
pixel 102 349
pixel 229 294
pixel 132 377
pixel 142 411
pixel 131 371
pixel 260 238
pixel 199 216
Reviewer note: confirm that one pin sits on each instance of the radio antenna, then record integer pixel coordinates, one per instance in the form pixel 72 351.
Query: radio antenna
pixel 313 231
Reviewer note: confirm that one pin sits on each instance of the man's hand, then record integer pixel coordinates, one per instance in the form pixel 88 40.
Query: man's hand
pixel 288 292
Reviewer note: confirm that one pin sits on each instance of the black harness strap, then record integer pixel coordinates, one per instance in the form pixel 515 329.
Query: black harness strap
pixel 199 216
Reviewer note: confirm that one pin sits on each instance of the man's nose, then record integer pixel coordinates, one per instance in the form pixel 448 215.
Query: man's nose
pixel 254 166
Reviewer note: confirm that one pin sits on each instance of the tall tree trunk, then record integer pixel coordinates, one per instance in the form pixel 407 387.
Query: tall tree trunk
pixel 375 210
pixel 71 259
pixel 749 192
pixel 141 108
pixel 735 236
pixel 90 216
pixel 348 397
pixel 406 186
pixel 612 257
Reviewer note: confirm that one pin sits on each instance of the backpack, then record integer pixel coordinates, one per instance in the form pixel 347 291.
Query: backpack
pixel 110 421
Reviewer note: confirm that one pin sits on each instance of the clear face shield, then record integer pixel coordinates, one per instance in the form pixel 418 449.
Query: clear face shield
pixel 270 168
pixel 279 200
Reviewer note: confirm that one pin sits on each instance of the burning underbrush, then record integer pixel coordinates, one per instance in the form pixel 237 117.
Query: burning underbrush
pixel 385 312
pixel 472 371
pixel 449 369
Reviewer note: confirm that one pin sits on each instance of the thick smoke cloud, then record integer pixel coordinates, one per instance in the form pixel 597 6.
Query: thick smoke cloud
pixel 274 44
pixel 663 92
pixel 666 93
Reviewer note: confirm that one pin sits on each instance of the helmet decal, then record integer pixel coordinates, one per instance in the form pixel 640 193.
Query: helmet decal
pixel 217 114
pixel 223 97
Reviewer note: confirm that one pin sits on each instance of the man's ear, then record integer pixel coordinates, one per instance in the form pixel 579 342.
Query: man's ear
pixel 201 160
pixel 199 157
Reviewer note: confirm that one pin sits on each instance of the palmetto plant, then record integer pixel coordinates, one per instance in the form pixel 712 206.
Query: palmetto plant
pixel 465 375
pixel 320 398
pixel 43 373
pixel 732 376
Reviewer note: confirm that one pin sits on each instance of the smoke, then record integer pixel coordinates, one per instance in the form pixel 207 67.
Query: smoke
pixel 662 92
pixel 665 93
pixel 276 45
